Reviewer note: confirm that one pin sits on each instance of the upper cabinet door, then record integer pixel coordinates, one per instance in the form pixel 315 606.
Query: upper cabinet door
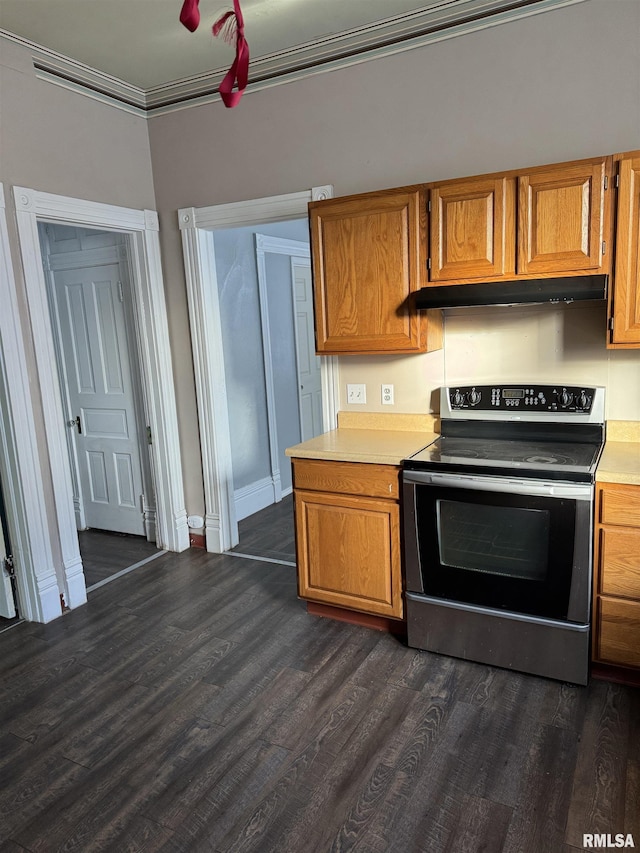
pixel 626 282
pixel 561 219
pixel 472 229
pixel 369 255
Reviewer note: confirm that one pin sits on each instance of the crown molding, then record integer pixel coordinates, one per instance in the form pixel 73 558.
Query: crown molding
pixel 450 19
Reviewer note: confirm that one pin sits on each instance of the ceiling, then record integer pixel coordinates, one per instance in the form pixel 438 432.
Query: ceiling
pixel 137 50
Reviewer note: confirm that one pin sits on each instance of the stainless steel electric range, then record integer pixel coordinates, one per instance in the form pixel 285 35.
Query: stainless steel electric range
pixel 498 528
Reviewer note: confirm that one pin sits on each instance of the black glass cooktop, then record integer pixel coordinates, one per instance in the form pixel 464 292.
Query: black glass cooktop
pixel 553 460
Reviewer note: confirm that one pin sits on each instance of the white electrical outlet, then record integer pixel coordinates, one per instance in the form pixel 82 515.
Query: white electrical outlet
pixel 356 394
pixel 387 394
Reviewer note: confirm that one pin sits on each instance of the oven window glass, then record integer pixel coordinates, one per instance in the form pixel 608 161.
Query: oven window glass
pixel 506 541
pixel 501 551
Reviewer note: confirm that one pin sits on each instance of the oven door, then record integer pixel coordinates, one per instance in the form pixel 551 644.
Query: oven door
pixel 521 546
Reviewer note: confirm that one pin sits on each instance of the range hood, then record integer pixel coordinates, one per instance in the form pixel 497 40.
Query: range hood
pixel 520 292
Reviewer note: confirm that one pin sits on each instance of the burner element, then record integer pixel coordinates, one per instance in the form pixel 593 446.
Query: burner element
pixel 547 460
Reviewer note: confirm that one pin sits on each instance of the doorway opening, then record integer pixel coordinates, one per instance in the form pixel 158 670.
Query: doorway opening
pixel 199 227
pixel 139 229
pixel 92 320
pixel 264 294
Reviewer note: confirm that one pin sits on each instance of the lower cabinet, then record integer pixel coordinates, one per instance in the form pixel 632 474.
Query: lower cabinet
pixel 348 535
pixel 617 581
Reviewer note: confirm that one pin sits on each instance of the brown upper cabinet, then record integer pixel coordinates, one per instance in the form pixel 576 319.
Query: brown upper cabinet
pixel 369 256
pixel 624 295
pixel 370 251
pixel 472 227
pixel 548 221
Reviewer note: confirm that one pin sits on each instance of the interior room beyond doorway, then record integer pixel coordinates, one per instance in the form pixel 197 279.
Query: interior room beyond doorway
pixel 264 292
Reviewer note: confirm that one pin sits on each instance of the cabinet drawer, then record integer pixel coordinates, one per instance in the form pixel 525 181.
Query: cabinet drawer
pixel 619 632
pixel 620 504
pixel 347 478
pixel 620 562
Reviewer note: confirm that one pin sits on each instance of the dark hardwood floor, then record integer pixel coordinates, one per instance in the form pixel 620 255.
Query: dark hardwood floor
pixel 269 533
pixel 105 553
pixel 193 705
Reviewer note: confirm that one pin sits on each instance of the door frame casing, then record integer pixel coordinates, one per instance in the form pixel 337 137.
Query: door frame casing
pixel 292 248
pixel 142 228
pixel 36 580
pixel 197 226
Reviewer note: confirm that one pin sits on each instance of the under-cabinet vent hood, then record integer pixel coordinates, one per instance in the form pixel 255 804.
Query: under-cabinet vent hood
pixel 573 289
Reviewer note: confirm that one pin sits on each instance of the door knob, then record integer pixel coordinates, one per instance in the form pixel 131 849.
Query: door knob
pixel 75 422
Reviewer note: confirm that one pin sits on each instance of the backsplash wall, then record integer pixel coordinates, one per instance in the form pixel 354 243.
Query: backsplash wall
pixel 564 343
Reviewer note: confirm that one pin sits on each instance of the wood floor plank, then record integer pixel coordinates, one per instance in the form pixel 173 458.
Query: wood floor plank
pixel 546 791
pixel 483 819
pixel 598 800
pixel 29 786
pixel 196 795
pixel 269 533
pixel 348 786
pixel 104 553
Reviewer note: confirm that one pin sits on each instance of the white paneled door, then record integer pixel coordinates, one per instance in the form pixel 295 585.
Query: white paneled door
pixel 309 374
pixel 100 394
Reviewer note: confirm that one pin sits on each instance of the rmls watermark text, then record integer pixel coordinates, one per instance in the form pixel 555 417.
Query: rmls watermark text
pixel 603 840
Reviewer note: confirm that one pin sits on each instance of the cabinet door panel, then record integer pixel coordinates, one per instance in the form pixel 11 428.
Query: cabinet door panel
pixel 620 562
pixel 368 257
pixel 348 552
pixel 626 283
pixel 561 219
pixel 472 229
pixel 619 632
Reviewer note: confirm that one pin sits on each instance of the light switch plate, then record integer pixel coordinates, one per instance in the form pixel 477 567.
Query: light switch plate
pixel 356 394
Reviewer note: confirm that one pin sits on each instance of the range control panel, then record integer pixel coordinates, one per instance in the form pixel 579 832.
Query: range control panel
pixel 531 398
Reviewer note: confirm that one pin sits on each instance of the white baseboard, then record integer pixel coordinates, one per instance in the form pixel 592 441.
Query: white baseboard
pixel 254 497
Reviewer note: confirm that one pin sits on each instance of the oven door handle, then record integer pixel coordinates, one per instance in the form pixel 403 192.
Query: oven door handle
pixel 577 491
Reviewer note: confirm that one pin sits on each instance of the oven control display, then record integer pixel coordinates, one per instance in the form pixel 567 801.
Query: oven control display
pixel 532 398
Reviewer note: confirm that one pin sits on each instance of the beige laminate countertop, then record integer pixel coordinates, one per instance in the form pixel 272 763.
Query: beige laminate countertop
pixel 374 438
pixel 620 460
pixel 388 439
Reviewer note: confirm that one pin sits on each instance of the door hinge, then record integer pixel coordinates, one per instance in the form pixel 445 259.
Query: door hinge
pixel 120 292
pixel 429 206
pixel 604 247
pixel 616 180
pixel 610 324
pixel 149 437
pixel 142 504
pixel 606 182
pixel 428 263
pixel 9 566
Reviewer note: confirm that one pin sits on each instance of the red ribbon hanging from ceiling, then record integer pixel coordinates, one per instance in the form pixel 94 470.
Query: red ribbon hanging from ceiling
pixel 231 27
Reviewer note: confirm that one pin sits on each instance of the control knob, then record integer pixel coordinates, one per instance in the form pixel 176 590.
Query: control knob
pixel 474 397
pixel 584 401
pixel 565 398
pixel 457 398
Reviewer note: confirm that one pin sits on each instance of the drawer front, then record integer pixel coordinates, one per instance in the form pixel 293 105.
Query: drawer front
pixel 620 504
pixel 619 632
pixel 347 478
pixel 620 562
